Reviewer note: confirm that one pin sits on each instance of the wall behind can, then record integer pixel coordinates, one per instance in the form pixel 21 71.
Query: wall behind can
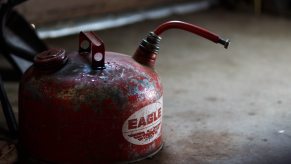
pixel 42 12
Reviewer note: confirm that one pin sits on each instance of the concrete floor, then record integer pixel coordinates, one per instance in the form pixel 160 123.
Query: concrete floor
pixel 220 106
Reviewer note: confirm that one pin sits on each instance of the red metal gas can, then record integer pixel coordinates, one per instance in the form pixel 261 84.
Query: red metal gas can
pixel 94 106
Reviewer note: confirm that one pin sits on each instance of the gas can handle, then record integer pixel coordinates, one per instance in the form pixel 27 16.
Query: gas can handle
pixel 90 43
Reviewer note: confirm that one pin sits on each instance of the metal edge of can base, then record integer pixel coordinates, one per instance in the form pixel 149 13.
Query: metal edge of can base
pixel 146 157
pixel 38 161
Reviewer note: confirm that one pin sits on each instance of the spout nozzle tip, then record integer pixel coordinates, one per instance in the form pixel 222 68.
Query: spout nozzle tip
pixel 225 42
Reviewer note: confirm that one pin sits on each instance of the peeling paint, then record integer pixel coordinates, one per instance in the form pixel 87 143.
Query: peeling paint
pixel 78 103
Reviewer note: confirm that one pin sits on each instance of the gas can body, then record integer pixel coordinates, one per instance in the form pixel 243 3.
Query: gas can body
pixel 80 115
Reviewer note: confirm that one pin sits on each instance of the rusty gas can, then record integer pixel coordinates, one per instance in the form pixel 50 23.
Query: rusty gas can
pixel 92 105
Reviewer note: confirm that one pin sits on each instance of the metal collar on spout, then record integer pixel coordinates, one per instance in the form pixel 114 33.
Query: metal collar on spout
pixel 151 43
pixel 147 51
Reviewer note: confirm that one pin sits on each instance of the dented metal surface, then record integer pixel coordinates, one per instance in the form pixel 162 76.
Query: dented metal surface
pixel 81 110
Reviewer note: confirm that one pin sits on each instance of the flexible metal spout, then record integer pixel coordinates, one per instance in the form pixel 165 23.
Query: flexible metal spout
pixel 148 49
pixel 193 29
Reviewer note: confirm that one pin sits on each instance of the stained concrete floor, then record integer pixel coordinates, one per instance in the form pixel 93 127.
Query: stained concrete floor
pixel 220 106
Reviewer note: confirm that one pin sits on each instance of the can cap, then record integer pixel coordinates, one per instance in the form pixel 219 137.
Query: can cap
pixel 51 59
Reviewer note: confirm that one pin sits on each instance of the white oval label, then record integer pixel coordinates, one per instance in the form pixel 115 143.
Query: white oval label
pixel 144 126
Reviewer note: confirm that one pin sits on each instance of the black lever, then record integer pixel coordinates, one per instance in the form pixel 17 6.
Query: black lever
pixel 8 112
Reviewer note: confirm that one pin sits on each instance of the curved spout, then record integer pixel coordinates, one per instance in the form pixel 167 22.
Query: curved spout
pixel 193 29
pixel 147 51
